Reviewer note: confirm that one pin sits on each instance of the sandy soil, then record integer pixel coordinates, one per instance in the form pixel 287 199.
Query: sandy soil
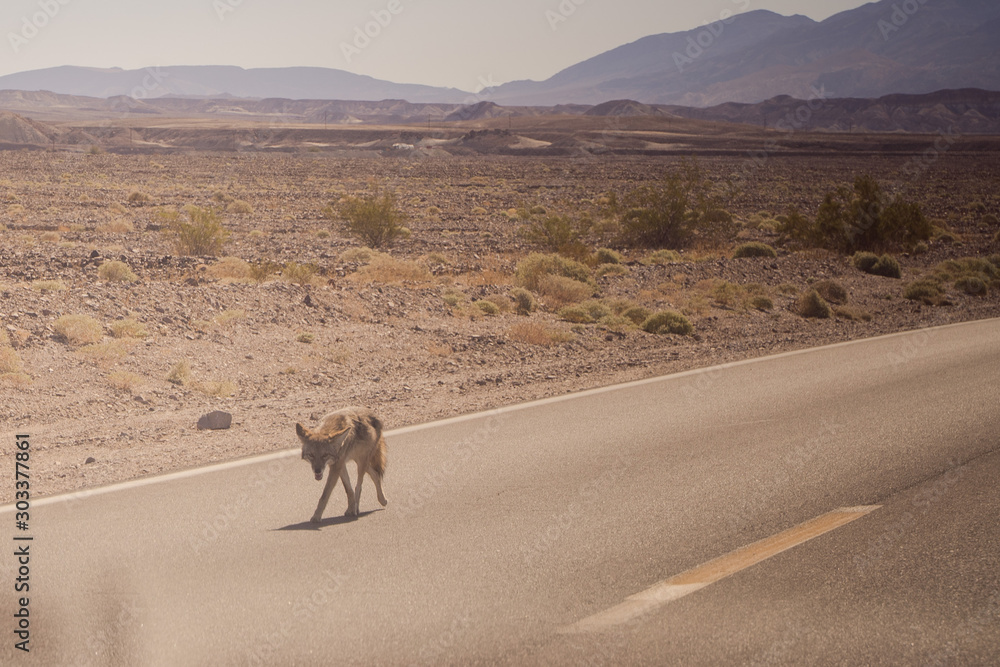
pixel 288 352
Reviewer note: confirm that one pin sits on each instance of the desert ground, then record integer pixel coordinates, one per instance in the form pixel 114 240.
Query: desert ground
pixel 322 323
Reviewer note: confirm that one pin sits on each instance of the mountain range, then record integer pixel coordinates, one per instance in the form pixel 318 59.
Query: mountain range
pixel 881 48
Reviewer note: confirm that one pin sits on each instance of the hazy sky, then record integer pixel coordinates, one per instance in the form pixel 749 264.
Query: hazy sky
pixel 461 43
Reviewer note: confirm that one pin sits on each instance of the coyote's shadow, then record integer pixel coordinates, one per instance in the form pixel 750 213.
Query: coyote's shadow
pixel 329 521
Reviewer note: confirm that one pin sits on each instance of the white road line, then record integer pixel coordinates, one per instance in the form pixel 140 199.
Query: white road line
pixel 77 495
pixel 695 579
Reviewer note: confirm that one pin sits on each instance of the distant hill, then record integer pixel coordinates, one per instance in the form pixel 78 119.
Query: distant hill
pixel 44 119
pixel 967 111
pixel 223 81
pixel 15 129
pixel 881 48
pixel 874 50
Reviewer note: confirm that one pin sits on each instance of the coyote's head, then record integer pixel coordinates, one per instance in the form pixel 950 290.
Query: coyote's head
pixel 320 448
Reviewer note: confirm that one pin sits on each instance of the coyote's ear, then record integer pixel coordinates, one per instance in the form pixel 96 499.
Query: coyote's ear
pixel 300 430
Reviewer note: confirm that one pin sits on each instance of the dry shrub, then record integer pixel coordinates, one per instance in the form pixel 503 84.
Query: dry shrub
pixel 535 267
pixel 49 237
pixel 388 269
pixel 116 226
pixel 116 272
pixel 128 328
pixel 16 380
pixel 439 349
pixel 227 318
pixel 48 286
pixel 230 269
pixel 137 198
pixel 125 380
pixel 10 361
pixel 108 353
pixel 79 329
pixel 559 291
pixel 536 333
pixel 239 207
pixel 221 389
pixel 358 255
pixel 180 374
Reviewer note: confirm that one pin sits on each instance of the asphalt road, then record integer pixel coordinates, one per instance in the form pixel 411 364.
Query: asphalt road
pixel 506 528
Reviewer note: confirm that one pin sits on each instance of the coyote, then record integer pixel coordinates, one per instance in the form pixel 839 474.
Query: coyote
pixel 351 434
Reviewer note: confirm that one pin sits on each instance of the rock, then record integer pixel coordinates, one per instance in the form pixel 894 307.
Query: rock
pixel 90 459
pixel 215 420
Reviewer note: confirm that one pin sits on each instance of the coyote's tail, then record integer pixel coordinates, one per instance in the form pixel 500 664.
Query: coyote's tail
pixel 379 459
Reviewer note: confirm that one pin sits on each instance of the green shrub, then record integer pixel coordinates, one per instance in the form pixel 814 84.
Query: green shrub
pixel 681 209
pixel 374 219
pixel 116 272
pixel 864 218
pixel 991 220
pixel 762 302
pixel 607 256
pixel 796 227
pixel 927 290
pixel 668 321
pixel 637 314
pixel 533 268
pixel 811 304
pixel 299 274
pixel 575 314
pixel 853 314
pixel 754 249
pixel 831 291
pixel 262 270
pixel 610 270
pixel 524 301
pixel 203 235
pixel 864 260
pixel 870 263
pixel 887 266
pixel 728 295
pixel 557 233
pixel 663 256
pixel 487 307
pixel 972 285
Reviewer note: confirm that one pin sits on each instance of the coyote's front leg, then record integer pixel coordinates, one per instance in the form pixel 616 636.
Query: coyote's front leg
pixel 332 474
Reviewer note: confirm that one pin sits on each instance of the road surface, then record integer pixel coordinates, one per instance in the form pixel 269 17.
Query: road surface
pixel 506 531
